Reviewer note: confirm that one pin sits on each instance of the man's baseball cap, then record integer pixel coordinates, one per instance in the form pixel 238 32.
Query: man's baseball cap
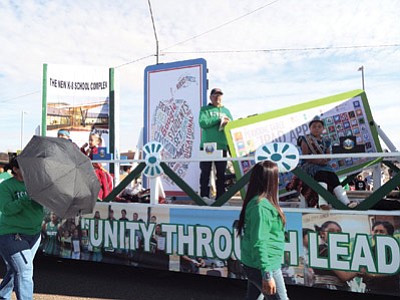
pixel 216 91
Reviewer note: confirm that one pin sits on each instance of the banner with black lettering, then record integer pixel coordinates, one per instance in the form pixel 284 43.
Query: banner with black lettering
pixel 76 99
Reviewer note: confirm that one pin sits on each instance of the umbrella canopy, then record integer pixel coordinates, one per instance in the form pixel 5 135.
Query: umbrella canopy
pixel 59 176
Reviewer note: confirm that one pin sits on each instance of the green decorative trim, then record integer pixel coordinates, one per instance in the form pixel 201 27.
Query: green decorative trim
pixel 371 122
pixel 233 189
pixel 391 166
pixel 311 182
pixel 364 205
pixel 182 184
pixel 380 193
pixel 128 179
pixel 287 110
pixel 349 179
pixel 112 117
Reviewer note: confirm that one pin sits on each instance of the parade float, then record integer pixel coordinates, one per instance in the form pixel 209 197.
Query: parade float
pixel 175 229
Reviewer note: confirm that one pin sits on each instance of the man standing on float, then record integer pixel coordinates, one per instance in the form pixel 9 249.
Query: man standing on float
pixel 212 119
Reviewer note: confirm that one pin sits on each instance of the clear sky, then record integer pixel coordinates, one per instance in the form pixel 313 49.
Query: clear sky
pixel 265 55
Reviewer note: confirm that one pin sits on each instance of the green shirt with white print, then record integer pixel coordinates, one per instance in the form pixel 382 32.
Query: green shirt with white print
pixel 18 212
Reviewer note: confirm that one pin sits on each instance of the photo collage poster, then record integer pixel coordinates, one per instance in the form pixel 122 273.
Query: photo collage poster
pixel 343 115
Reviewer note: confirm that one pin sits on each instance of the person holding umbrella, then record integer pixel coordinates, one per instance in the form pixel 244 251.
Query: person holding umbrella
pixel 20 226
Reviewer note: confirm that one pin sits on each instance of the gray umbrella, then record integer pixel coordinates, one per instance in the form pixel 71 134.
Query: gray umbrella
pixel 59 176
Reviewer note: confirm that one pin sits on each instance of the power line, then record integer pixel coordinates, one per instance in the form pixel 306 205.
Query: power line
pixel 133 61
pixel 35 92
pixel 286 49
pixel 201 34
pixel 238 51
pixel 222 25
pixel 17 97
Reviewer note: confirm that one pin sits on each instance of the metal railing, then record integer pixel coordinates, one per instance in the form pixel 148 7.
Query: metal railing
pixel 386 158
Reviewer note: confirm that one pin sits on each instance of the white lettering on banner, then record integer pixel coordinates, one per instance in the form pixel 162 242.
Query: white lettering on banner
pixel 187 239
pixel 339 248
pixel 147 232
pixel 387 253
pixel 388 257
pixel 168 229
pixel 121 236
pixel 204 239
pixel 362 255
pixel 111 234
pixel 199 241
pixel 222 243
pixel 315 261
pixel 133 228
pixel 96 241
pixel 291 246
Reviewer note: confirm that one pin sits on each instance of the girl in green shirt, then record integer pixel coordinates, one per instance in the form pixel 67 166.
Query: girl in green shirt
pixel 261 227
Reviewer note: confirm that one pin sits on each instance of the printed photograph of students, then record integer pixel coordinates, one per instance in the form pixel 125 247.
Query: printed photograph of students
pixel 385 284
pixel 161 259
pixel 85 246
pixel 235 268
pixel 330 279
pixel 308 272
pixel 65 248
pixel 118 213
pixel 324 225
pixel 201 262
pixel 292 269
pixel 51 234
pixel 109 252
pixel 96 251
pixel 134 254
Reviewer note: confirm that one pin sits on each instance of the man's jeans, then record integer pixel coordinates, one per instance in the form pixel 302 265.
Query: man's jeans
pixel 18 252
pixel 254 284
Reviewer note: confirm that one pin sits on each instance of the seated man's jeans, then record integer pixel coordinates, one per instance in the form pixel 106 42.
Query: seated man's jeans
pixel 18 252
pixel 254 284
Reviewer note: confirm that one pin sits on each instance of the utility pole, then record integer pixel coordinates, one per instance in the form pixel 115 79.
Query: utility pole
pixel 362 76
pixel 155 32
pixel 22 128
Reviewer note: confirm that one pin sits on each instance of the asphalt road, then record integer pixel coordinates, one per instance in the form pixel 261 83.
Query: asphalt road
pixel 61 280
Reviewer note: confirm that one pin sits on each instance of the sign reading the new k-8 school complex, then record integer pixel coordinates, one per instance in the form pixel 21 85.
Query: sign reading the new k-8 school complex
pixel 76 98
